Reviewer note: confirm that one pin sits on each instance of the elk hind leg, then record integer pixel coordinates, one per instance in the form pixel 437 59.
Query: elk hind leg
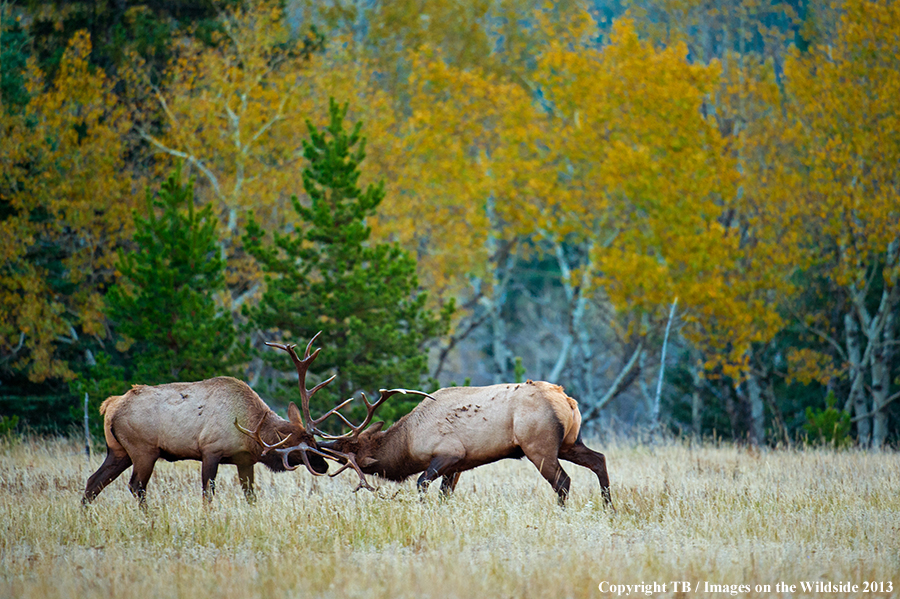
pixel 109 470
pixel 549 467
pixel 595 461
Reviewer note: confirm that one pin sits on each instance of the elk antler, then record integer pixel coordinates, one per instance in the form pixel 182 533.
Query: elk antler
pixel 254 434
pixel 370 411
pixel 305 394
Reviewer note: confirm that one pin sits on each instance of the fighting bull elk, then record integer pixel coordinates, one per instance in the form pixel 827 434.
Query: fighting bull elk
pixel 460 428
pixel 201 421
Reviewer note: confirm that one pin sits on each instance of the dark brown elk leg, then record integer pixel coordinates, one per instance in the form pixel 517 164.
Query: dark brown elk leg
pixel 582 455
pixel 436 468
pixel 108 471
pixel 550 469
pixel 208 471
pixel 245 475
pixel 140 476
pixel 448 483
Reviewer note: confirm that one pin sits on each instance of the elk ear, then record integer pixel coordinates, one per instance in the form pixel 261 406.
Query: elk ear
pixel 294 414
pixel 367 462
pixel 374 428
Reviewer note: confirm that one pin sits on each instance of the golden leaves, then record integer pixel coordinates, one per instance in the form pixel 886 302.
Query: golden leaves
pixel 64 182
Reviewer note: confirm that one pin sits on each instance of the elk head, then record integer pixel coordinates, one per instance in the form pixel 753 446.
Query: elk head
pixel 315 462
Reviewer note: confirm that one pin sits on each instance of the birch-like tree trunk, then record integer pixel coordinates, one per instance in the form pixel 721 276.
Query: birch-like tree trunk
pixel 878 340
pixel 857 400
pixel 881 381
pixel 757 410
pixel 578 342
pixel 654 412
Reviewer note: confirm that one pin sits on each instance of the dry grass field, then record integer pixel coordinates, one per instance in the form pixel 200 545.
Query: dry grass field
pixel 707 516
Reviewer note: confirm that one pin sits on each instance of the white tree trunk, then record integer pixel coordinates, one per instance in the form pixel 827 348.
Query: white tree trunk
pixel 878 338
pixel 857 400
pixel 757 411
pixel 881 382
pixel 592 410
pixel 654 414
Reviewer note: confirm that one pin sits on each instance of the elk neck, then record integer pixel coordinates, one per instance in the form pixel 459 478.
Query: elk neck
pixel 389 449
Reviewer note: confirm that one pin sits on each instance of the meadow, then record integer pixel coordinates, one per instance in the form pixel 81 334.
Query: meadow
pixel 706 515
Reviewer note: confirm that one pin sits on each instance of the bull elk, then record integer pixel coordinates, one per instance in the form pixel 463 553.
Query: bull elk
pixel 200 421
pixel 462 428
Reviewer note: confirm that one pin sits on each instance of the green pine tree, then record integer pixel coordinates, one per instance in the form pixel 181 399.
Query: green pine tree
pixel 328 277
pixel 166 300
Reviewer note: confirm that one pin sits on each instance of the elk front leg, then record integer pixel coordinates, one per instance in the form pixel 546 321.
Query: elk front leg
pixel 109 470
pixel 582 455
pixel 208 471
pixel 245 475
pixel 448 483
pixel 436 468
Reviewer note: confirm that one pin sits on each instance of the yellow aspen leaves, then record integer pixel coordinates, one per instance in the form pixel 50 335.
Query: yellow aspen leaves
pixel 68 198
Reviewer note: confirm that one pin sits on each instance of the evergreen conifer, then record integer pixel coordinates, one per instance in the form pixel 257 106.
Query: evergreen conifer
pixel 328 277
pixel 165 302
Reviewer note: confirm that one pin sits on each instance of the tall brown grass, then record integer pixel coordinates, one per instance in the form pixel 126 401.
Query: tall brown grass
pixel 716 515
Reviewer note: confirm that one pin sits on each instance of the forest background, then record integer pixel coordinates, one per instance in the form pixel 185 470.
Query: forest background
pixel 562 191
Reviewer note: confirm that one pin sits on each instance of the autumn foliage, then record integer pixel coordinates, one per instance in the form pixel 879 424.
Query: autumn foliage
pixel 570 177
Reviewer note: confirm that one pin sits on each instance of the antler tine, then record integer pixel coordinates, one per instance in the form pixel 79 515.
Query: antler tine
pixel 254 434
pixel 302 368
pixel 336 411
pixel 303 448
pixel 412 392
pixel 309 345
pixel 385 394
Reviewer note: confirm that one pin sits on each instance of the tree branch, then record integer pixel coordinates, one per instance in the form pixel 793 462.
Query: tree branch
pixel 185 156
pixel 616 387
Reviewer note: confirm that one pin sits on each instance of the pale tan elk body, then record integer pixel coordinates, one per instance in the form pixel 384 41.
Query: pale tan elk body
pixel 201 421
pixel 465 427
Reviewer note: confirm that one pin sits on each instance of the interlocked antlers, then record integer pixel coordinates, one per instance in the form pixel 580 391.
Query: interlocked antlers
pixel 350 457
pixel 311 426
pixel 304 447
